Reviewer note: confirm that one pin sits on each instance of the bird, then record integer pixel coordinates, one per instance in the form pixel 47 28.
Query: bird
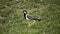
pixel 29 17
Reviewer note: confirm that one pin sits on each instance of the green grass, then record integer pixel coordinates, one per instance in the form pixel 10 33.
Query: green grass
pixel 12 21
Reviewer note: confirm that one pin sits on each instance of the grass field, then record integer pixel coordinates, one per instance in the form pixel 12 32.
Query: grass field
pixel 12 21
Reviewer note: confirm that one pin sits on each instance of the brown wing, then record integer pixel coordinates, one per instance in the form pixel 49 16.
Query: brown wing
pixel 33 18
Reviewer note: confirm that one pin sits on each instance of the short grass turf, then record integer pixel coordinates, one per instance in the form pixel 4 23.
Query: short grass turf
pixel 13 22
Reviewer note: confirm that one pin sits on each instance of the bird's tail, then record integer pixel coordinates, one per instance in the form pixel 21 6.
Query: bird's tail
pixel 42 18
pixel 36 18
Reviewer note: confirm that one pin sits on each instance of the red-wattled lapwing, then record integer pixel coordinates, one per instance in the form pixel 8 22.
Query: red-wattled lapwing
pixel 29 17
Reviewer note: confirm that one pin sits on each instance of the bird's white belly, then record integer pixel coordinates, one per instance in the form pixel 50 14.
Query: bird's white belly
pixel 27 18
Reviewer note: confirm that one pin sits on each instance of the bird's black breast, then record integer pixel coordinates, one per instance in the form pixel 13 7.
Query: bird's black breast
pixel 25 16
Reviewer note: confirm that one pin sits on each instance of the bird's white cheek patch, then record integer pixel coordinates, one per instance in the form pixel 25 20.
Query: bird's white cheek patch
pixel 24 12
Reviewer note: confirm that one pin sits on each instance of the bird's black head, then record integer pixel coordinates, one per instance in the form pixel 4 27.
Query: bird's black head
pixel 24 11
